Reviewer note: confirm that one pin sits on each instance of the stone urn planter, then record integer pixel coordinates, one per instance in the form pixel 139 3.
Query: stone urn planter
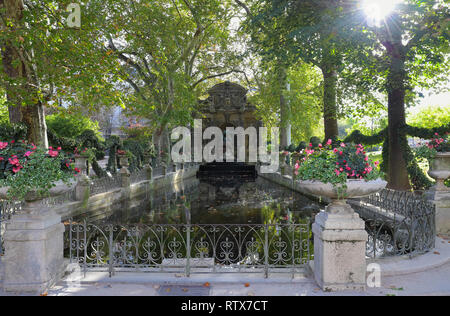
pixel 440 170
pixel 123 159
pixel 339 235
pixel 355 189
pixel 81 163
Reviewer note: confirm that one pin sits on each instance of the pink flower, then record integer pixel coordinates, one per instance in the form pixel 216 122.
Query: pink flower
pixel 53 153
pixel 320 146
pixel 341 153
pixel 17 169
pixel 13 161
pixel 337 172
pixel 3 145
pixel 366 158
pixel 343 145
pixel 28 154
pixel 376 163
pixel 329 142
pixel 335 150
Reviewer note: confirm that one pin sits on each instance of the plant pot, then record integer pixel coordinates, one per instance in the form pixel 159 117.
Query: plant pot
pixel 81 163
pixel 123 159
pixel 355 189
pixel 440 170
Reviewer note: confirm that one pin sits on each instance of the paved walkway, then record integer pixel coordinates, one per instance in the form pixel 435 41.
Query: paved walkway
pixel 425 275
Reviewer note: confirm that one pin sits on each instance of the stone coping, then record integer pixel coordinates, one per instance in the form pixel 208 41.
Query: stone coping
pixel 404 265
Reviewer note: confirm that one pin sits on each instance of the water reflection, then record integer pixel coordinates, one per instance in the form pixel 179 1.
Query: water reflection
pixel 195 202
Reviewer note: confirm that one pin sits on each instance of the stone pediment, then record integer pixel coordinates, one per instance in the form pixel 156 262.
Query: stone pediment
pixel 227 96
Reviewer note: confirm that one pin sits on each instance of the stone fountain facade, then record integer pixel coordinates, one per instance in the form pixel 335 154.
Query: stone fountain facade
pixel 227 106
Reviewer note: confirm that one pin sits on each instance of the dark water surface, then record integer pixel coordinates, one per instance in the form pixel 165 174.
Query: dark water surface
pixel 195 202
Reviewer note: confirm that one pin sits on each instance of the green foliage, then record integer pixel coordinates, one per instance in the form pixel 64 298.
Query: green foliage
pixel 430 117
pixel 4 114
pixel 14 132
pixel 304 99
pixel 71 125
pixel 138 151
pixel 113 144
pixel 27 169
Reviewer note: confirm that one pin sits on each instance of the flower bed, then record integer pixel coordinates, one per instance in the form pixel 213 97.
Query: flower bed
pixel 27 168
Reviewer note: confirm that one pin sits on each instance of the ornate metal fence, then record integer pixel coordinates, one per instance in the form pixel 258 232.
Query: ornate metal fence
pixel 105 184
pixel 398 223
pixel 139 176
pixel 7 209
pixel 190 249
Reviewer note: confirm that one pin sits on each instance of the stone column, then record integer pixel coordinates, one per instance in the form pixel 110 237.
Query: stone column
pixel 439 195
pixel 339 248
pixel 34 251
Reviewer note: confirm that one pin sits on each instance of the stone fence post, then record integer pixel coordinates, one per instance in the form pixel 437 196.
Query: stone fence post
pixel 148 167
pixel 82 189
pixel 34 254
pixel 124 172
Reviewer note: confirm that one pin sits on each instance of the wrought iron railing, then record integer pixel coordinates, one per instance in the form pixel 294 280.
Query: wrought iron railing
pixel 190 249
pixel 139 176
pixel 64 198
pixel 105 184
pixel 398 223
pixel 7 209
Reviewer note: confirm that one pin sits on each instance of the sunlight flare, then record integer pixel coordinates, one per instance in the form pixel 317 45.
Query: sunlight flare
pixel 378 10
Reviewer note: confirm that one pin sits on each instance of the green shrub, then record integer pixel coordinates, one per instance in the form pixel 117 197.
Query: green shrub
pixel 71 125
pixel 14 132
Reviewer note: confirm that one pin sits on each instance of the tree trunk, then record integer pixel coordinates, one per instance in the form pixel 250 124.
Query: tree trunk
pixel 34 118
pixel 397 167
pixel 284 109
pixel 398 173
pixel 32 114
pixel 330 103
